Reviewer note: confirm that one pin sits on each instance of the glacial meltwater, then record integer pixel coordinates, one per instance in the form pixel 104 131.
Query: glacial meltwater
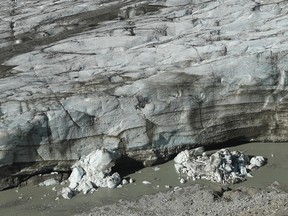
pixel 35 200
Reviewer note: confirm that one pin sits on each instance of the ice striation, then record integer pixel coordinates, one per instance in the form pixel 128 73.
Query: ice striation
pixel 146 78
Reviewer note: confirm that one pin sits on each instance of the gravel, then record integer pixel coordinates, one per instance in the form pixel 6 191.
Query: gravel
pixel 201 200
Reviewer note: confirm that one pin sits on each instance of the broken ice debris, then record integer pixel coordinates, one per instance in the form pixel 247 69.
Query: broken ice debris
pixel 146 182
pixel 67 193
pixel 223 166
pixel 49 182
pixel 182 181
pixel 156 168
pixel 124 182
pixel 91 172
pixel 257 161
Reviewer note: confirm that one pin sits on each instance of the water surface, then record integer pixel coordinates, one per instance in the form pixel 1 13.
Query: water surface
pixel 35 201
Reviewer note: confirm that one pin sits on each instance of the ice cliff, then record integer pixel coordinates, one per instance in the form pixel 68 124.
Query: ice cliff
pixel 144 77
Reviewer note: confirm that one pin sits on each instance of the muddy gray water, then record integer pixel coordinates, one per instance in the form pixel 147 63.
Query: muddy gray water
pixel 34 201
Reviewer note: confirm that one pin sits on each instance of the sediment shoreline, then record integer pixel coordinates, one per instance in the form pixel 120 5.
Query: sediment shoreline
pixel 201 200
pixel 34 201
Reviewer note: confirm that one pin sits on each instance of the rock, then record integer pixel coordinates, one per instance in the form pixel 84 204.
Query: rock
pixel 131 180
pixel 147 82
